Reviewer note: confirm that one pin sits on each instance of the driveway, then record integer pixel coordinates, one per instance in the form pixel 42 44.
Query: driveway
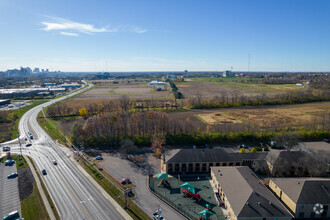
pixel 120 168
pixel 9 194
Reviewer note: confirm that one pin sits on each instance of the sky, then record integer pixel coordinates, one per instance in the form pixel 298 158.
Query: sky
pixel 165 35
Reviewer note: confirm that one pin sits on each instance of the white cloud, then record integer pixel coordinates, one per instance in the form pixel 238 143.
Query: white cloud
pixel 69 34
pixel 71 28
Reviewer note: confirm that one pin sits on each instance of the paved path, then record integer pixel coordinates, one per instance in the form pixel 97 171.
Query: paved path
pixel 9 194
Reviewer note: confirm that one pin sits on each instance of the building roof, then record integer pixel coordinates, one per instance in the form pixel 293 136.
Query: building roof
pixel 247 196
pixel 283 158
pixel 212 155
pixel 319 146
pixel 305 190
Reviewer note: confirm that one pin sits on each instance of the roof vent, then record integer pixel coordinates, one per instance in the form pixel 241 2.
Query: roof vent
pixel 259 203
pixel 219 171
pixel 270 203
pixel 298 183
pixel 247 203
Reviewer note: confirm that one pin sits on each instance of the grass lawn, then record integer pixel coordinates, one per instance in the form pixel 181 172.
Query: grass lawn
pixel 244 85
pixel 33 207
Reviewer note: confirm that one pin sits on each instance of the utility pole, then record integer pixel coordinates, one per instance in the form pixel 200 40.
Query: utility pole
pixel 20 145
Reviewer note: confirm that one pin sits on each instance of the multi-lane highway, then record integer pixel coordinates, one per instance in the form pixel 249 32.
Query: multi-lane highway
pixel 74 195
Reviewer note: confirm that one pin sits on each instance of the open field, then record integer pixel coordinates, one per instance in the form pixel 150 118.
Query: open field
pixel 132 90
pixel 261 116
pixel 210 87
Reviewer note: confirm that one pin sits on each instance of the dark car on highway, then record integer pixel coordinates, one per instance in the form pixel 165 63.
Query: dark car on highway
pixel 43 171
pixel 28 145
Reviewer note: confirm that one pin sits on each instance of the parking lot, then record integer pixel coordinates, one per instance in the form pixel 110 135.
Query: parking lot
pixel 9 194
pixel 121 168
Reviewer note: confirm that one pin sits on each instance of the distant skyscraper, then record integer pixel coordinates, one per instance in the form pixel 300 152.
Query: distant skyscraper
pixel 36 70
pixel 47 70
pixel 42 70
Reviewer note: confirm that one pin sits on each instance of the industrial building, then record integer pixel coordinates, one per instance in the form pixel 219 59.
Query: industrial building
pixel 156 83
pixel 245 196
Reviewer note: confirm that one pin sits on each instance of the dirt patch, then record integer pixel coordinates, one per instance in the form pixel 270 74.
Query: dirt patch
pixel 218 118
pixel 25 182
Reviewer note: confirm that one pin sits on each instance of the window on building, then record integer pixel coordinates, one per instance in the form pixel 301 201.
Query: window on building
pixel 237 164
pixel 231 164
pixel 190 167
pixel 197 167
pixel 184 167
pixel 217 164
pixel 177 167
pixel 204 167
pixel 301 215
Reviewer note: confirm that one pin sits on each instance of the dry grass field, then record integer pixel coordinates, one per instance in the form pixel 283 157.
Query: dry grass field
pixel 268 116
pixel 210 87
pixel 132 90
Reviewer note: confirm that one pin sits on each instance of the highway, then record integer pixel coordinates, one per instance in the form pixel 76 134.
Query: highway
pixel 74 195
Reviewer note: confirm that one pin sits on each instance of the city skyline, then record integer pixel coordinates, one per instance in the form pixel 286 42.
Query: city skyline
pixel 165 36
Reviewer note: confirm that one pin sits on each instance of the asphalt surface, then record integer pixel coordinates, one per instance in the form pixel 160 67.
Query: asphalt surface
pixel 121 168
pixel 74 195
pixel 9 194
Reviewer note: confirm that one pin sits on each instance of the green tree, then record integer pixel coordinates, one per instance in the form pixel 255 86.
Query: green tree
pixel 242 150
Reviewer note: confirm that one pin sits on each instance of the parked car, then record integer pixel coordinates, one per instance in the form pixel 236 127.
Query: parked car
pixel 28 145
pixel 9 162
pixel 99 158
pixel 43 171
pixel 12 175
pixel 125 181
pixel 54 162
pixel 6 148
pixel 25 139
pixel 31 137
pixel 12 215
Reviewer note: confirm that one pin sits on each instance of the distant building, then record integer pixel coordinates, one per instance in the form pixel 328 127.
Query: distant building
pixel 36 70
pixel 200 160
pixel 50 84
pixel 301 196
pixel 156 83
pixel 172 76
pixel 72 85
pixel 27 92
pixel 228 73
pixel 245 196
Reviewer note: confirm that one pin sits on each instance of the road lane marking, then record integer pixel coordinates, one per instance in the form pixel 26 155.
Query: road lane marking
pixel 72 194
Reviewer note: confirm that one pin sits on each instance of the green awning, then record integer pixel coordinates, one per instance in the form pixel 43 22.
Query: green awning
pixel 205 213
pixel 162 176
pixel 189 187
